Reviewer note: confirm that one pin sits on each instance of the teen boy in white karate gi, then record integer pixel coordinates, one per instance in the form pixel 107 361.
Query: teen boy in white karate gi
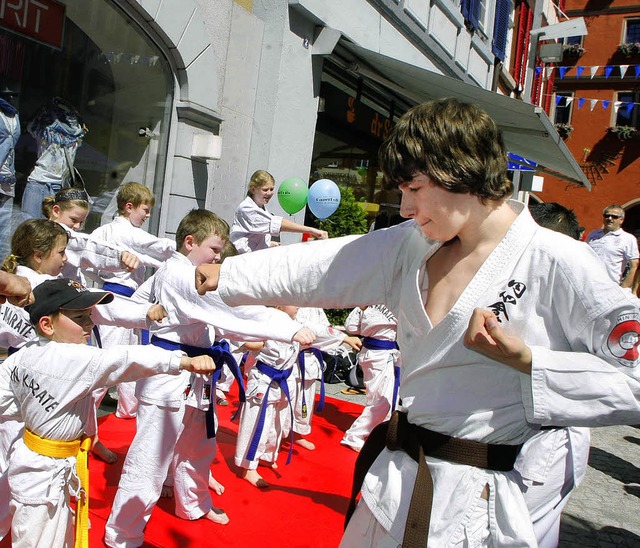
pixel 171 431
pixel 503 326
pixel 48 385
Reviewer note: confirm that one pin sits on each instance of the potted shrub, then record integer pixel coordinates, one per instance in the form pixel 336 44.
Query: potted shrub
pixel 629 49
pixel 564 130
pixel 624 132
pixel 573 50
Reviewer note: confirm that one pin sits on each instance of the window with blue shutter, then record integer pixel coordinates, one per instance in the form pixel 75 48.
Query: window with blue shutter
pixel 501 28
pixel 470 10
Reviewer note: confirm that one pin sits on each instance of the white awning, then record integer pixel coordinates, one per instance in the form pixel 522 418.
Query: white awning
pixel 526 129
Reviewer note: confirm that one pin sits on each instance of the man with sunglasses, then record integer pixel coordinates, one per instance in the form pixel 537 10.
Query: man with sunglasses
pixel 617 249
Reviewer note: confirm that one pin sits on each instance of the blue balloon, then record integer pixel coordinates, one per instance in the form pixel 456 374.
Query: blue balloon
pixel 323 198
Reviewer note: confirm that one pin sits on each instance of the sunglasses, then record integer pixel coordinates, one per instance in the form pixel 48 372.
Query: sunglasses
pixel 610 216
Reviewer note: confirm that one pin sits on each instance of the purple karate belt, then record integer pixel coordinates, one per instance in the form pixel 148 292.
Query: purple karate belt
pixel 221 355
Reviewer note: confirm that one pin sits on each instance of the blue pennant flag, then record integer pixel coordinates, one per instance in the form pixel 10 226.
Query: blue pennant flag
pixel 563 71
pixel 558 99
pixel 539 70
pixel 607 71
pixel 581 102
pixel 579 71
pixel 630 107
pixel 637 71
pixel 605 104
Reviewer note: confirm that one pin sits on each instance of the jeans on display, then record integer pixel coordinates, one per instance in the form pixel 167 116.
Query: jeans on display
pixel 6 207
pixel 34 194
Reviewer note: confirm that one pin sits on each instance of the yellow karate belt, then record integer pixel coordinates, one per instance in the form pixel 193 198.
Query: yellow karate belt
pixel 60 450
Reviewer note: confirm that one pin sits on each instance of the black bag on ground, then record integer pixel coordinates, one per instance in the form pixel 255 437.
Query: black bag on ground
pixel 337 366
pixel 342 367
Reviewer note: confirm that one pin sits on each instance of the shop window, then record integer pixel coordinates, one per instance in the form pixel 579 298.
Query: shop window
pixel 119 83
pixel 632 31
pixel 564 102
pixel 627 114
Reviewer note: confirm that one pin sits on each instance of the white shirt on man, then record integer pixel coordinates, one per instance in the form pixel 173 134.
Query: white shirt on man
pixel 615 248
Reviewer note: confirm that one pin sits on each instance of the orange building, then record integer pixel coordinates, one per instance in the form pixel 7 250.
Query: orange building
pixel 596 92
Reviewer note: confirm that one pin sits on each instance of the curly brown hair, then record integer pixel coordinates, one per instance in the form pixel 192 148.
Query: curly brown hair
pixel 456 144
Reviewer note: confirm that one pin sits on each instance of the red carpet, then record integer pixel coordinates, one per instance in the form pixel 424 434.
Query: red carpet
pixel 304 505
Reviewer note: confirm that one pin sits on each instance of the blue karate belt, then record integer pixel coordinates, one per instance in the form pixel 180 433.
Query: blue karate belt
pixel 221 355
pixel 280 377
pixel 124 291
pixel 378 344
pixel 301 365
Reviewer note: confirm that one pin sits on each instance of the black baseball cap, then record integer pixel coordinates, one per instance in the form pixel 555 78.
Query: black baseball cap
pixel 52 295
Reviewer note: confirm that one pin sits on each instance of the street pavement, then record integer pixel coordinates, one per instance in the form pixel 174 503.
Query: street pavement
pixel 604 511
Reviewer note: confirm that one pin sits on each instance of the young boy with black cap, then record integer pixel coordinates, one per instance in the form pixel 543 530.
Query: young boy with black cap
pixel 48 385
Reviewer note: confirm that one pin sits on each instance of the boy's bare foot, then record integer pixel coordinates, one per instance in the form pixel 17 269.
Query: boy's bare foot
pixel 353 448
pixel 268 463
pixel 101 451
pixel 254 478
pixel 215 485
pixel 166 492
pixel 302 442
pixel 217 515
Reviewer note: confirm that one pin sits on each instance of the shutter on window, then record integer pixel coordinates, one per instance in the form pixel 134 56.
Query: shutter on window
pixel 464 8
pixel 474 10
pixel 470 9
pixel 501 28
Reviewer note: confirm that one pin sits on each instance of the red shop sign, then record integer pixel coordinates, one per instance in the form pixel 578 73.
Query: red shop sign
pixel 40 20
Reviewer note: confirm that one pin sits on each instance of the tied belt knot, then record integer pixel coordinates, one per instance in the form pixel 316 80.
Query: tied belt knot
pixel 59 449
pixel 220 353
pixel 398 434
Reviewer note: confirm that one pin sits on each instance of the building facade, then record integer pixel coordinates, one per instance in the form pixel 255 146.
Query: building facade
pixel 191 96
pixel 595 98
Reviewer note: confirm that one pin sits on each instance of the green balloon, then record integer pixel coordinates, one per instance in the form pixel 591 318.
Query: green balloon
pixel 292 194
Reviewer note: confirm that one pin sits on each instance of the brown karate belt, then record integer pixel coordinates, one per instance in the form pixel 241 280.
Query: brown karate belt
pixel 398 434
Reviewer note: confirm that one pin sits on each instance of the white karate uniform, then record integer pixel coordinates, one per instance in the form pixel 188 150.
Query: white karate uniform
pixel 86 254
pixel 551 464
pixel 253 227
pixel 15 326
pixel 316 320
pixel 170 430
pixel 280 356
pixel 151 251
pixel 49 385
pixel 377 370
pixel 550 290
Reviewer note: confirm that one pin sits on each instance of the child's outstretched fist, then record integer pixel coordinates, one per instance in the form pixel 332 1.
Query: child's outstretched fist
pixel 198 364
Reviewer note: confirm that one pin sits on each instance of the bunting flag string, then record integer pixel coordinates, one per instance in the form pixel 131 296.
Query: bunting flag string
pixel 565 101
pixel 609 71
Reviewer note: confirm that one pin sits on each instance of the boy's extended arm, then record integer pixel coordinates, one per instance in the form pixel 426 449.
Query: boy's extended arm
pixel 16 288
